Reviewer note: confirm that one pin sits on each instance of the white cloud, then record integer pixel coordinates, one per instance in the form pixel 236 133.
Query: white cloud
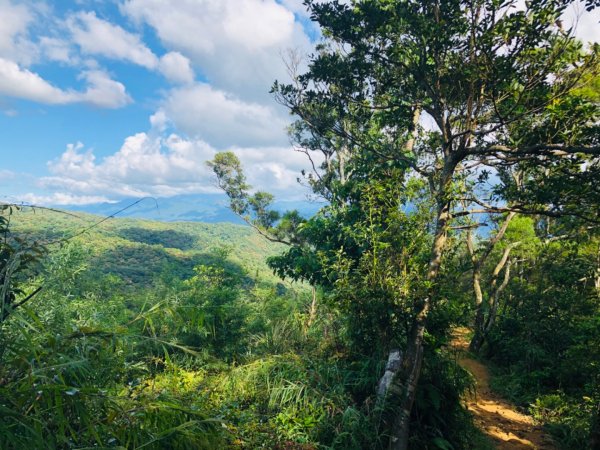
pixel 145 165
pixel 586 23
pixel 273 169
pixel 55 49
pixel 296 6
pixel 15 21
pixel 255 25
pixel 98 37
pixel 22 83
pixel 14 40
pixel 103 91
pixel 176 68
pixel 159 121
pixel 222 119
pixel 236 44
pixel 6 175
pixel 163 165
pixel 74 162
pixel 62 198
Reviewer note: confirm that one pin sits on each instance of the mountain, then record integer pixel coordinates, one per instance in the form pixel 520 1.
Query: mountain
pixel 207 208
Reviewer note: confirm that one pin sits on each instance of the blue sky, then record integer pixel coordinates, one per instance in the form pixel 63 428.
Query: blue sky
pixel 102 100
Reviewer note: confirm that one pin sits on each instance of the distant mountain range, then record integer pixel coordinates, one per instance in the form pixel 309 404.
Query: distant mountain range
pixel 208 208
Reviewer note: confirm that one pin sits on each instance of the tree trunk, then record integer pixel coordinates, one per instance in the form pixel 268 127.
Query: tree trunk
pixel 478 263
pixel 496 301
pixel 483 325
pixel 392 366
pixel 403 387
pixel 477 340
pixel 406 381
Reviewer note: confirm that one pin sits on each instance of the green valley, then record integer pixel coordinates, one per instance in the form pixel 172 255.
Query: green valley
pixel 138 251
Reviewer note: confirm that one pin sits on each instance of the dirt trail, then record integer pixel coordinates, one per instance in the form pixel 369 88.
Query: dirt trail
pixel 507 428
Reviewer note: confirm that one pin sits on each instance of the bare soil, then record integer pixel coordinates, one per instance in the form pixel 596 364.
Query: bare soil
pixel 507 428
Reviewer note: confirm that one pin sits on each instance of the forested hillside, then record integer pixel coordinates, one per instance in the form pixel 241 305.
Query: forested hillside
pixel 140 252
pixel 131 334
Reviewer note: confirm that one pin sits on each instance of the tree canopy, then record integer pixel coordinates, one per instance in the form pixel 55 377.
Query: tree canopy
pixel 439 116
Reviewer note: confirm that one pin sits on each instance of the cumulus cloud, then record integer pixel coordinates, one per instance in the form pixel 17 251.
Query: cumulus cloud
pixel 163 165
pixel 56 49
pixel 18 50
pixel 98 37
pixel 159 121
pixel 274 169
pixel 14 41
pixel 22 83
pixel 144 165
pixel 223 119
pixel 296 6
pixel 176 68
pixel 101 90
pixel 237 44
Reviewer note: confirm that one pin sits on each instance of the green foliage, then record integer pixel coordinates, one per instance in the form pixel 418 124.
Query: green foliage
pixel 214 299
pixel 546 342
pixel 568 419
pixel 17 260
pixel 439 420
pixel 138 252
pixel 254 209
pixel 69 378
pixel 501 85
pixel 227 168
pixel 164 238
pixel 214 360
pixel 112 362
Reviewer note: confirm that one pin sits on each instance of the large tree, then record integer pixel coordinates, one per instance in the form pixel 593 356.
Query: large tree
pixel 461 95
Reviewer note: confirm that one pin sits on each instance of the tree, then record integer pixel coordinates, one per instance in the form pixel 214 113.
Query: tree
pixel 17 256
pixel 488 76
pixel 515 234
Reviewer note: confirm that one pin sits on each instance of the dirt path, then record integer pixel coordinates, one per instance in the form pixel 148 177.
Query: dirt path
pixel 507 428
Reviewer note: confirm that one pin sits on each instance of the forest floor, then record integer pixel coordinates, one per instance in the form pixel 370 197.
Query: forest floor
pixel 506 427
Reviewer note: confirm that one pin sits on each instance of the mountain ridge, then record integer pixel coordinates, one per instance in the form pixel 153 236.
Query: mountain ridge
pixel 206 208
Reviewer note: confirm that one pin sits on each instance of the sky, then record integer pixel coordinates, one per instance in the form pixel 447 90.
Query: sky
pixel 105 100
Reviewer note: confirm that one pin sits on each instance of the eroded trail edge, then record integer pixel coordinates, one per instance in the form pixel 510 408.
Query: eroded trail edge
pixel 508 428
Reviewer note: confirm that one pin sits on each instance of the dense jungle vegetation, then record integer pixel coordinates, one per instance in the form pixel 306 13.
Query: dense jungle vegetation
pixel 333 331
